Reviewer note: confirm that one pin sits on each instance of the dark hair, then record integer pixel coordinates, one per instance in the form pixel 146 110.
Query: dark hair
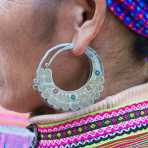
pixel 141 45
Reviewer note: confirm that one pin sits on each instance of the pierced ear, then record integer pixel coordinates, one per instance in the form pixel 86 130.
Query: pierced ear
pixel 90 25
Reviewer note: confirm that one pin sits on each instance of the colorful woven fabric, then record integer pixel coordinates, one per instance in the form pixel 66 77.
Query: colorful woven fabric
pixel 15 137
pixel 133 13
pixel 96 128
pixel 13 118
pixel 138 141
pixel 13 132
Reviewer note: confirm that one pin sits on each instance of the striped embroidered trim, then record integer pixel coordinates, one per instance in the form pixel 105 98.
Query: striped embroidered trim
pixel 10 118
pixel 98 135
pixel 139 140
pixel 96 128
pixel 92 118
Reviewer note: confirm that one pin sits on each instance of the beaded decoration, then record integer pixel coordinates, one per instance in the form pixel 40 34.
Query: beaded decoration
pixel 133 13
pixel 69 100
pixel 94 129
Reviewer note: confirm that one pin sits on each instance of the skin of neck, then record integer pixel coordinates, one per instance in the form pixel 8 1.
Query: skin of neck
pixel 21 53
pixel 124 67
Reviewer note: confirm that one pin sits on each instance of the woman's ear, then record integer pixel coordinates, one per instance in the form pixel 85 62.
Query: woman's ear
pixel 90 24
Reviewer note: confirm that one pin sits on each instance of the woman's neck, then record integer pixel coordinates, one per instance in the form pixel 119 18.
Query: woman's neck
pixel 123 67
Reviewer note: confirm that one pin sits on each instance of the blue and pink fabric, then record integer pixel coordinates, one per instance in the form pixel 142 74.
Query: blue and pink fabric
pixel 13 132
pixel 133 13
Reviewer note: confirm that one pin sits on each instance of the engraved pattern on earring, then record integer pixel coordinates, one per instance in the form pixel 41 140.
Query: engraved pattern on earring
pixel 69 100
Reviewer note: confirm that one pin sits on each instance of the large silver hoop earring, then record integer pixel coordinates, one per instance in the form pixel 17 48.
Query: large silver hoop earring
pixel 69 100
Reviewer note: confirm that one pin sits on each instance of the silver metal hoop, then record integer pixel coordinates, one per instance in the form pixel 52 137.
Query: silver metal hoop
pixel 69 100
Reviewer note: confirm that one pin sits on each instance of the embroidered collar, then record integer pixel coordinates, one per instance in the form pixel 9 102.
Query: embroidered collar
pixel 115 118
pixel 127 97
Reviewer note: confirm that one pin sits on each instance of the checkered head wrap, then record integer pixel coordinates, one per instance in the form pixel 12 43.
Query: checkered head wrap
pixel 133 13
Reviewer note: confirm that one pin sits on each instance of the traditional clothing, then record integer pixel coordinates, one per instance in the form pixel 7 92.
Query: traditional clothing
pixel 133 13
pixel 13 118
pixel 118 121
pixel 13 132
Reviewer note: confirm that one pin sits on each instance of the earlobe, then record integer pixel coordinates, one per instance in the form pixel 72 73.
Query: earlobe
pixel 90 28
